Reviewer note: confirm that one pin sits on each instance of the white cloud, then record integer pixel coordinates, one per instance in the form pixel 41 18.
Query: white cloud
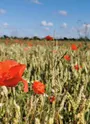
pixel 64 25
pixel 86 25
pixel 84 30
pixel 44 23
pixel 36 1
pixel 2 11
pixel 5 24
pixel 49 24
pixel 63 12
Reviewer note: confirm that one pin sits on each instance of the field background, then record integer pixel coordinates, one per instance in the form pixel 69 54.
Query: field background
pixel 45 62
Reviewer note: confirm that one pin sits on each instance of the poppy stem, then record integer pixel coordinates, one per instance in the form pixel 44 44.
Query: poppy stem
pixel 13 92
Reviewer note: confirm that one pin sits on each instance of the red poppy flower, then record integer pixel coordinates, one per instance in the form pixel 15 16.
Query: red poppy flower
pixel 52 99
pixel 11 73
pixel 49 38
pixel 67 57
pixel 74 47
pixel 29 44
pixel 77 67
pixel 38 87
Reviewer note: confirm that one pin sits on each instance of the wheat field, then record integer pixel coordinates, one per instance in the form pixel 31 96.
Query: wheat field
pixel 45 62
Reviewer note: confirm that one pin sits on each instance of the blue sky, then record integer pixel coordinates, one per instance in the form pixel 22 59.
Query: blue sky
pixel 59 18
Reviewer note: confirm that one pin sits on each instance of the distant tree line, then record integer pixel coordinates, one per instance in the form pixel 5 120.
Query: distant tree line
pixel 38 38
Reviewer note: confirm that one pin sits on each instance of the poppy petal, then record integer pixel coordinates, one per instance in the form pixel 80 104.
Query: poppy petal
pixel 17 70
pixel 1 83
pixel 38 87
pixel 25 85
pixel 5 65
pixel 11 82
